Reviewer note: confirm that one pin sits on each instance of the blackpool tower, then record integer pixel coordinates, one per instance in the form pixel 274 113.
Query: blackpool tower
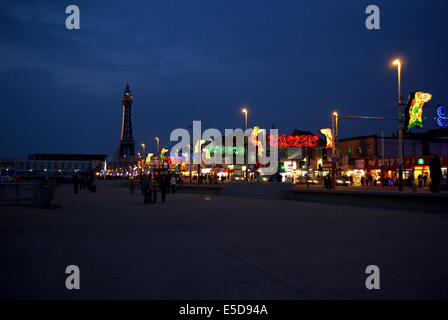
pixel 127 143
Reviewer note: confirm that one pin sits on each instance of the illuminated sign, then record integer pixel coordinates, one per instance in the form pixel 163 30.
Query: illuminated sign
pixel 329 136
pixel 414 108
pixel 285 141
pixel 290 166
pixel 421 161
pixel 224 150
pixel 442 119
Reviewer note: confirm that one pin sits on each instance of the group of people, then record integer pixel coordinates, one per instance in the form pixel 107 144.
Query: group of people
pixel 327 181
pixel 163 184
pixel 83 182
pixel 369 180
pixel 210 179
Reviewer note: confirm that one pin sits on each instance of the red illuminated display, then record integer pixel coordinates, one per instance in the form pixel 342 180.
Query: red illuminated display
pixel 285 141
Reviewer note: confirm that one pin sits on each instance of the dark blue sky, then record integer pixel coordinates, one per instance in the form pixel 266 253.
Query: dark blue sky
pixel 291 62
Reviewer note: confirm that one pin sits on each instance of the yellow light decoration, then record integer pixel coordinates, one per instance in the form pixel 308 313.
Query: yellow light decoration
pixel 164 151
pixel 148 158
pixel 196 147
pixel 329 136
pixel 253 139
pixel 415 109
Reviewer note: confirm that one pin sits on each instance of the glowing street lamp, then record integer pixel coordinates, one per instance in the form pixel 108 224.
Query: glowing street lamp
pixel 143 147
pixel 397 63
pixel 244 110
pixel 158 144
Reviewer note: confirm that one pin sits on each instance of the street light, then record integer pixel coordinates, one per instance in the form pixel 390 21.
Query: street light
pixel 334 124
pixel 143 146
pixel 244 110
pixel 245 114
pixel 397 62
pixel 158 144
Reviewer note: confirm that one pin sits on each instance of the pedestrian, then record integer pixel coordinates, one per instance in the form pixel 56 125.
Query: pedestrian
pixel 163 186
pixel 147 191
pixel 420 181
pixel 181 183
pixel 436 174
pixel 131 186
pixel 362 181
pixel 75 182
pixel 155 190
pixel 173 184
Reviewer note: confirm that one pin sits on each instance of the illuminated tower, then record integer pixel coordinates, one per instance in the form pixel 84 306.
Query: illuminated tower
pixel 127 143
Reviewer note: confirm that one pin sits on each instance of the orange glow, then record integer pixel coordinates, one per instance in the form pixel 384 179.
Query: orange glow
pixel 329 136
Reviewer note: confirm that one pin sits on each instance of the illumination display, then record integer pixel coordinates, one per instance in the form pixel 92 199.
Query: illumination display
pixel 148 158
pixel 254 140
pixel 224 149
pixel 329 136
pixel 285 141
pixel 442 115
pixel 414 109
pixel 197 146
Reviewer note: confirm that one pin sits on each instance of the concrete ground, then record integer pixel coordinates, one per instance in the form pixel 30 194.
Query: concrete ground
pixel 198 246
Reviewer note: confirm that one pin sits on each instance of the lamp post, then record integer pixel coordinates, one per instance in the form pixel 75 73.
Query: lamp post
pixel 397 62
pixel 334 125
pixel 143 147
pixel 245 115
pixel 246 146
pixel 158 145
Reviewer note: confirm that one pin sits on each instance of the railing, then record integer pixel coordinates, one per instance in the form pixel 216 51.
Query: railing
pixel 17 193
pixel 37 194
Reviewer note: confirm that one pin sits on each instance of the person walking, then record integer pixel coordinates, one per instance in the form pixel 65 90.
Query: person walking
pixel 75 182
pixel 155 191
pixel 436 174
pixel 173 184
pixel 163 186
pixel 420 181
pixel 131 186
pixel 147 192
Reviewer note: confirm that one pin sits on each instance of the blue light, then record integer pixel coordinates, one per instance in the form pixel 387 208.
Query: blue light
pixel 442 120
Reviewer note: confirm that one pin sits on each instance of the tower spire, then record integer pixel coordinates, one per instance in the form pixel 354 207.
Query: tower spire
pixel 127 143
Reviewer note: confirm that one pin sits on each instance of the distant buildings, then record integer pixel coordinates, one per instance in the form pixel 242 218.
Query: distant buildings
pixel 40 164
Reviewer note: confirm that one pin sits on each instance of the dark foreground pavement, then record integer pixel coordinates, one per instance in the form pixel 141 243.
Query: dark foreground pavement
pixel 199 246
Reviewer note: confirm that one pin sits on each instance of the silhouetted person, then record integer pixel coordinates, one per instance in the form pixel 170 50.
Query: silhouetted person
pixel 75 183
pixel 163 186
pixel 131 187
pixel 436 174
pixel 173 184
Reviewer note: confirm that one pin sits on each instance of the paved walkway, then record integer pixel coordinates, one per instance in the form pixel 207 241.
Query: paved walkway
pixel 214 247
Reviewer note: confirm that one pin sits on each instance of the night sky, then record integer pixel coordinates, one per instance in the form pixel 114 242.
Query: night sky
pixel 291 62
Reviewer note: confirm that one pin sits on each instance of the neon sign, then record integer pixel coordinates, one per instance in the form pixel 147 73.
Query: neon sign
pixel 285 141
pixel 329 136
pixel 442 119
pixel 224 149
pixel 414 109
